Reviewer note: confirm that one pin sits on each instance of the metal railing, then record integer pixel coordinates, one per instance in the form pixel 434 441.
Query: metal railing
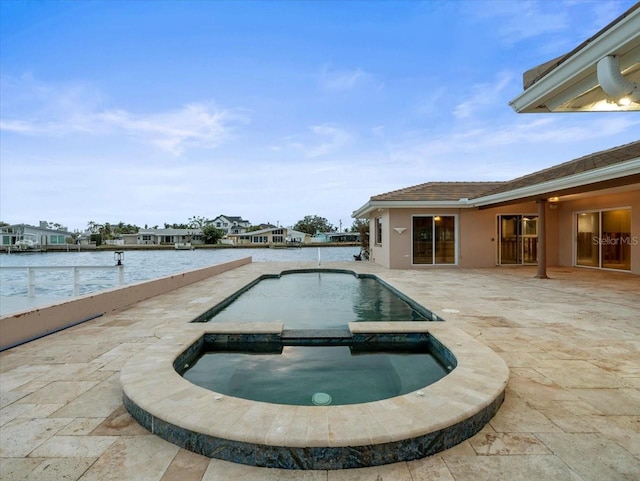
pixel 73 278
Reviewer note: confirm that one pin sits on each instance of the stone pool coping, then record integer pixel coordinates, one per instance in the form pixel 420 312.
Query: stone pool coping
pixel 405 427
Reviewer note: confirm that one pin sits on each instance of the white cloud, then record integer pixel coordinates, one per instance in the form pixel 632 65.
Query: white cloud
pixel 326 139
pixel 345 80
pixel 522 20
pixel 481 149
pixel 75 109
pixel 482 95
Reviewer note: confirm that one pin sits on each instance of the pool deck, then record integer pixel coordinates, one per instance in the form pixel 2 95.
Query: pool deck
pixel 571 412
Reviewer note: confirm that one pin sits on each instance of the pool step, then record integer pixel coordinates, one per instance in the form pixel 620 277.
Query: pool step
pixel 305 337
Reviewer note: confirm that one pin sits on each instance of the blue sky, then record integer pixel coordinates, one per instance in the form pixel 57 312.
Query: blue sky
pixel 156 111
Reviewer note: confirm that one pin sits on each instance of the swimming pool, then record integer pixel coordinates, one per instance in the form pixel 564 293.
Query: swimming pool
pixel 317 299
pixel 322 435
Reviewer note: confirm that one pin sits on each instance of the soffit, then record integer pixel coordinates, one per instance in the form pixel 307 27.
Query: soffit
pixel 569 83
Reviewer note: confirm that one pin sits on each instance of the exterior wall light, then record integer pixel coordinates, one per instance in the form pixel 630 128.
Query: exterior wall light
pixel 399 230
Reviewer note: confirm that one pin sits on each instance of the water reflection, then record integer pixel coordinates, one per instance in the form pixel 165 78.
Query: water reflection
pixel 317 300
pixel 302 371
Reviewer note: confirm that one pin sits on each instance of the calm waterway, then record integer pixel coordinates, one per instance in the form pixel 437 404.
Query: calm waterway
pixel 53 285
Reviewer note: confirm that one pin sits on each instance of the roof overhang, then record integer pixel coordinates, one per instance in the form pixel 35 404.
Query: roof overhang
pixel 380 205
pixel 571 83
pixel 622 173
pixel 613 176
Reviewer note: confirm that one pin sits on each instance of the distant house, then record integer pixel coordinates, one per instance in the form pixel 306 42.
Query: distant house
pixel 167 236
pixel 26 235
pixel 336 237
pixel 270 236
pixel 231 224
pixel 264 226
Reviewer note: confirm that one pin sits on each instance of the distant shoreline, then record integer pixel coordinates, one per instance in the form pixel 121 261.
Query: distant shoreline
pixel 167 247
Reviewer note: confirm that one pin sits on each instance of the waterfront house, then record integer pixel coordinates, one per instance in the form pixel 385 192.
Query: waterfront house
pixel 336 237
pixel 42 236
pixel 169 236
pixel 231 224
pixel 580 210
pixel 270 236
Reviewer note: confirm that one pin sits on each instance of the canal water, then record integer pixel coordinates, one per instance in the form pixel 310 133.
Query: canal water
pixel 54 285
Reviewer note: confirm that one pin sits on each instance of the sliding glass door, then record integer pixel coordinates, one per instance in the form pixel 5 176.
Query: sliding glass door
pixel 434 239
pixel 603 239
pixel 517 239
pixel 587 249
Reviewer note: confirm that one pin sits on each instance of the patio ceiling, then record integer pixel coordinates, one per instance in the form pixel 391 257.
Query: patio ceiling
pixel 570 83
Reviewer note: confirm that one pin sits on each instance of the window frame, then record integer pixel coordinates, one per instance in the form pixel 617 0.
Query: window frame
pixel 434 247
pixel 378 229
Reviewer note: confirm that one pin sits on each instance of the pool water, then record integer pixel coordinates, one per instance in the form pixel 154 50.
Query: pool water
pixel 320 375
pixel 317 300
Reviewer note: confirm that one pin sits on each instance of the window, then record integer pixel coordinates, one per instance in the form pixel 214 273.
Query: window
pixel 603 239
pixel 434 239
pixel 56 239
pixel 517 239
pixel 378 230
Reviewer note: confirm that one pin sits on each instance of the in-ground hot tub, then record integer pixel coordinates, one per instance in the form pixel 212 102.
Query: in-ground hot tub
pixel 320 368
pixel 401 428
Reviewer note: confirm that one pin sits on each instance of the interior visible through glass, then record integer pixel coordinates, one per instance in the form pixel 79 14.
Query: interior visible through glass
pixel 434 239
pixel 603 239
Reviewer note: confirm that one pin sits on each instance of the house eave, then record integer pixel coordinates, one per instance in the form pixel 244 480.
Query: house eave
pixel 576 74
pixel 542 190
pixel 374 205
pixel 628 169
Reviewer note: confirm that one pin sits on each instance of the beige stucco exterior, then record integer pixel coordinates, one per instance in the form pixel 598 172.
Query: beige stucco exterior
pixel 477 230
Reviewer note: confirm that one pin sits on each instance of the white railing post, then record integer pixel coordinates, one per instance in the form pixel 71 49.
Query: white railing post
pixel 31 286
pixel 76 281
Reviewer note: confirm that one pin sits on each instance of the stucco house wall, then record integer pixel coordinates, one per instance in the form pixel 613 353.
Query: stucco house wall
pixel 380 253
pixel 476 235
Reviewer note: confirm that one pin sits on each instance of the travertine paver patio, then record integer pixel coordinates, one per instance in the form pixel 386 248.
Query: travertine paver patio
pixel 572 408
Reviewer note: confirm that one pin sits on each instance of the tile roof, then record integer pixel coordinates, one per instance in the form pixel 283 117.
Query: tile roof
pixel 589 162
pixel 454 191
pixel 435 191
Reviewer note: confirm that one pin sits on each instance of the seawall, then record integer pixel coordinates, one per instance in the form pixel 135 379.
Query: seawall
pixel 22 327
